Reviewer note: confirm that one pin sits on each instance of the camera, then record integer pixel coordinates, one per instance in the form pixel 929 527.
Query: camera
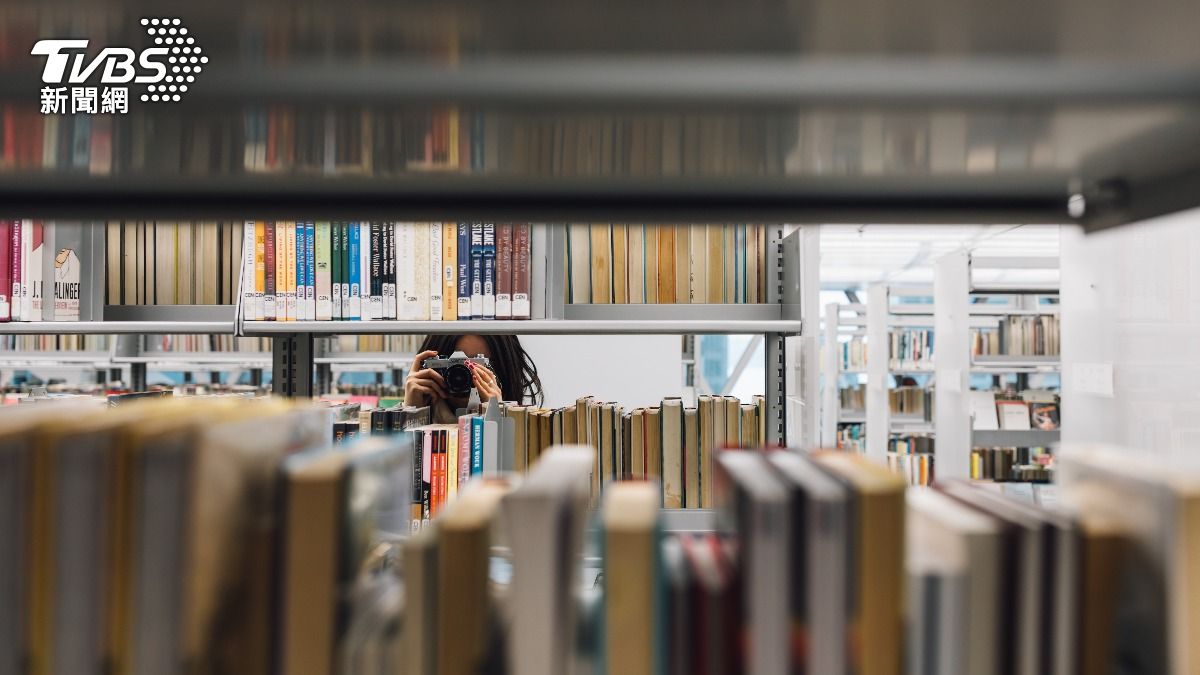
pixel 454 371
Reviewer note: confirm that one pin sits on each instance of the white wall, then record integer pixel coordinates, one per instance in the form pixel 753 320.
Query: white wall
pixel 1131 302
pixel 635 370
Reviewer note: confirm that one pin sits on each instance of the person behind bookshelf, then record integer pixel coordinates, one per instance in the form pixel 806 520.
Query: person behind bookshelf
pixel 513 376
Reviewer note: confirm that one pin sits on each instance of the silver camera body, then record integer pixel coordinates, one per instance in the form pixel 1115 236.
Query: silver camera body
pixel 454 371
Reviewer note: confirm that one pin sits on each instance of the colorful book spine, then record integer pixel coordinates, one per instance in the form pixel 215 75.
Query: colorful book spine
pixel 281 284
pixel 451 459
pixel 426 475
pixel 364 268
pixel 416 514
pixel 488 270
pixel 464 455
pixel 520 271
pixel 289 232
pixel 503 267
pixel 260 269
pixel 17 277
pixel 476 445
pixel 310 271
pixel 295 269
pixel 269 309
pixel 449 278
pixel 5 271
pixel 31 272
pixel 354 278
pixel 324 279
pixel 249 305
pixel 436 473
pixel 375 306
pixel 464 271
pixel 477 270
pixel 435 270
pixel 335 269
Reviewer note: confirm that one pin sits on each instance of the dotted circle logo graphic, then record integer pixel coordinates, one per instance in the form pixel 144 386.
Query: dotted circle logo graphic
pixel 185 58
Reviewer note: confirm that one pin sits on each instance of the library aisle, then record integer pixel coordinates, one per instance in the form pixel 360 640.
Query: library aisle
pixel 592 339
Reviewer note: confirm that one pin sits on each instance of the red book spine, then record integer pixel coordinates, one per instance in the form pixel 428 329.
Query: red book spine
pixel 435 476
pixel 504 277
pixel 15 271
pixel 520 271
pixel 5 271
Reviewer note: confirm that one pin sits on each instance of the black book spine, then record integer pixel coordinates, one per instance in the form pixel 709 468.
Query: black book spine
pixel 376 263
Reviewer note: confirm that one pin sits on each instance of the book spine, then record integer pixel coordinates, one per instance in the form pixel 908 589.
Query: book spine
pixel 345 237
pixel 405 273
pixel 435 271
pixel 364 268
pixel 504 250
pixel 426 475
pixel 289 271
pixel 324 279
pixel 5 271
pixel 249 251
pixel 451 461
pixel 389 270
pixel 310 271
pixel 488 253
pixel 354 255
pixel 269 272
pixel 476 445
pixel 376 304
pixel 15 270
pixel 298 274
pixel 464 454
pixel 260 270
pixel 520 271
pixel 420 270
pixel 415 512
pixel 464 271
pixel 435 474
pixel 537 272
pixel 280 271
pixel 477 270
pixel 29 275
pixel 335 270
pixel 449 267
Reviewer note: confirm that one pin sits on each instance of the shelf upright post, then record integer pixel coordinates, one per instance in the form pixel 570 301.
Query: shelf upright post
pixel 879 418
pixel 292 365
pixel 951 325
pixel 775 344
pixel 137 376
pixel 831 401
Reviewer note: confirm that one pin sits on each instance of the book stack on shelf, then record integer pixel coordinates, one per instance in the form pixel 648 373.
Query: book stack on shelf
pixel 399 345
pixel 55 343
pixel 666 264
pixel 852 400
pixel 331 271
pixel 205 344
pixel 1012 435
pixel 1018 336
pixel 27 271
pixel 172 262
pixel 671 443
pixel 853 355
pixel 910 350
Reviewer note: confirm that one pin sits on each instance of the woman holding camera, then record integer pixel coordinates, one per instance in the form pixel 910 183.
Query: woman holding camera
pixel 512 375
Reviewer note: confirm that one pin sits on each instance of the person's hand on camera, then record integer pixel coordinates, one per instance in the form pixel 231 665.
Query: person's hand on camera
pixel 485 383
pixel 423 385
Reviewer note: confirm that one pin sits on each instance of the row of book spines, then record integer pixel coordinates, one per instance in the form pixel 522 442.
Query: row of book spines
pixel 406 271
pixel 666 264
pixel 1019 336
pixel 445 457
pixel 172 262
pixel 911 345
pixel 917 468
pixel 21 283
pixel 282 138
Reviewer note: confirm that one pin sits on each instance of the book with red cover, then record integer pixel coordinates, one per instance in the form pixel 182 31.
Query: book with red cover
pixel 5 271
pixel 520 271
pixel 504 270
pixel 15 250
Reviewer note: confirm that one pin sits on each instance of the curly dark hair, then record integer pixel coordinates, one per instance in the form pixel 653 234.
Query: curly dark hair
pixel 517 373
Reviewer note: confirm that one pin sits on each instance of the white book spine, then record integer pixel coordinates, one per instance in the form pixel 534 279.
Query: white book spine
pixel 420 274
pixel 537 271
pixel 289 272
pixel 324 290
pixel 406 274
pixel 435 271
pixel 250 309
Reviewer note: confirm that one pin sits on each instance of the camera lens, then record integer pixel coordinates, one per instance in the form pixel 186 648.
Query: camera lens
pixel 458 379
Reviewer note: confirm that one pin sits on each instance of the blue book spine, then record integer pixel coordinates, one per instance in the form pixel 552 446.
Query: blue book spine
pixel 477 270
pixel 488 252
pixel 464 271
pixel 476 445
pixel 310 269
pixel 355 259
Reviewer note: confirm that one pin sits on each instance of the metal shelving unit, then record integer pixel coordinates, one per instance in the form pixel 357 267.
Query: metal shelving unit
pixel 836 325
pixel 1014 438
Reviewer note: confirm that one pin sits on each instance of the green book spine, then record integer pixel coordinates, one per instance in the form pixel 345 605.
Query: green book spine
pixel 324 279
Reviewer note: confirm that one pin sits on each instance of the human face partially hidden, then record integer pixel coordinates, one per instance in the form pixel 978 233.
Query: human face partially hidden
pixel 471 345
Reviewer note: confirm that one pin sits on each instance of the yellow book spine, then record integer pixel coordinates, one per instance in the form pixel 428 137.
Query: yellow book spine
pixel 449 272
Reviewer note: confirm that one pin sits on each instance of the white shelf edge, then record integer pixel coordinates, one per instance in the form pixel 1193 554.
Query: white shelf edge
pixel 116 327
pixel 536 327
